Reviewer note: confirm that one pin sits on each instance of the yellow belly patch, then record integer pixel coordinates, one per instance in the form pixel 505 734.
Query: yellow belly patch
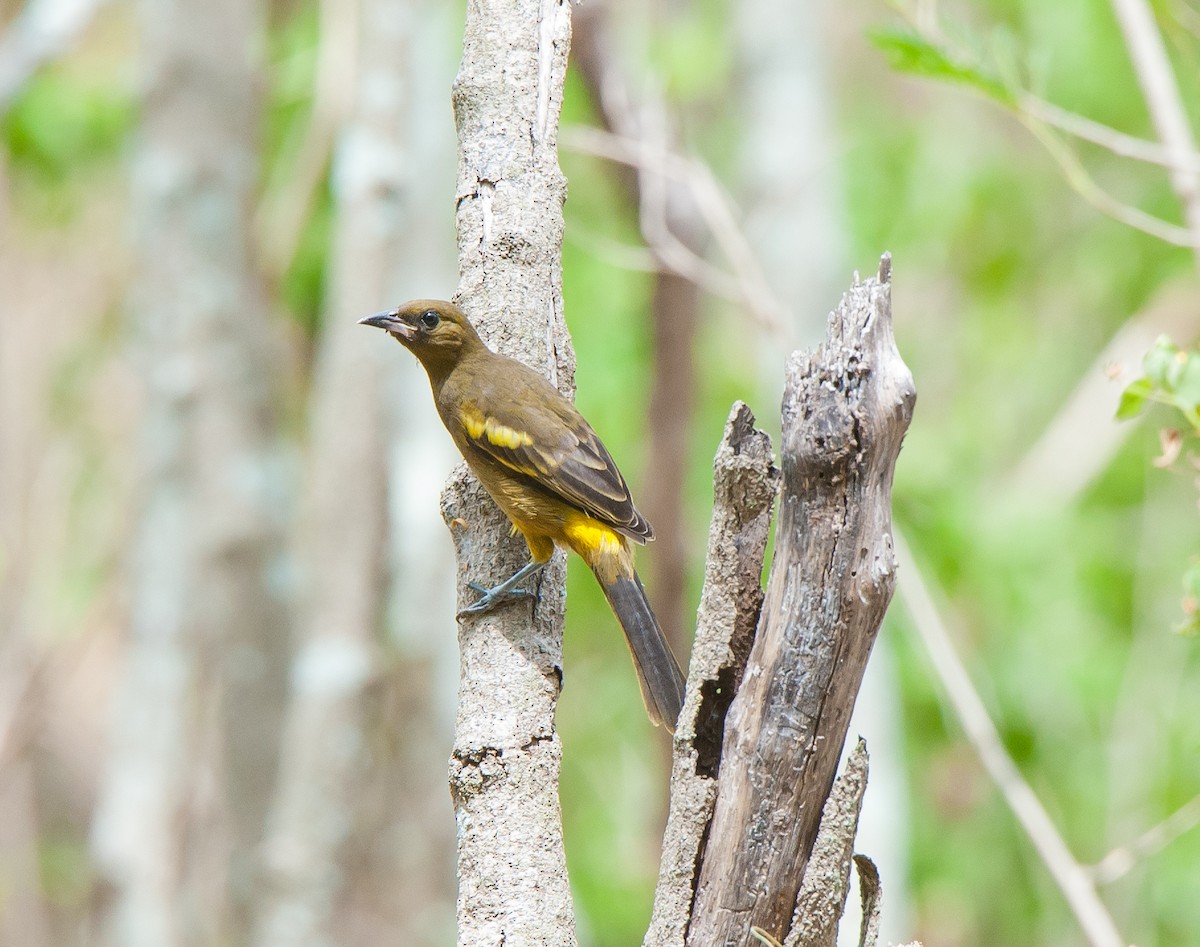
pixel 600 546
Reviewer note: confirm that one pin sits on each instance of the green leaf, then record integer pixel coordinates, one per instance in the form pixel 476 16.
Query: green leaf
pixel 1158 362
pixel 1187 384
pixel 909 52
pixel 1133 399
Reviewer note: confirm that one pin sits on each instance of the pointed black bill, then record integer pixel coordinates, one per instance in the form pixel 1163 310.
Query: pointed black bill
pixel 382 320
pixel 390 321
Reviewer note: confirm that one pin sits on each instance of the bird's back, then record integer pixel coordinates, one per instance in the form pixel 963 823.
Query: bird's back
pixel 507 420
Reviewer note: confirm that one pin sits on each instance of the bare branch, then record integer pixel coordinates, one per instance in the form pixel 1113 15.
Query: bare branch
pixel 1086 187
pixel 1122 859
pixel 1154 73
pixel 822 898
pixel 1119 143
pixel 1179 153
pixel 748 284
pixel 1072 878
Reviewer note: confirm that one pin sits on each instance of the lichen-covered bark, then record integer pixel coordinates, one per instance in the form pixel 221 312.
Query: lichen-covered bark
pixel 846 408
pixel 504 772
pixel 822 898
pixel 745 482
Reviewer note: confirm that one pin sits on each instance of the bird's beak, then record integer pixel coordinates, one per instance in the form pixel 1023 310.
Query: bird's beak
pixel 389 321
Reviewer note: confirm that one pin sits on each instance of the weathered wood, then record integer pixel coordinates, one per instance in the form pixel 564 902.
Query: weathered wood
pixel 822 898
pixel 745 483
pixel 504 772
pixel 846 408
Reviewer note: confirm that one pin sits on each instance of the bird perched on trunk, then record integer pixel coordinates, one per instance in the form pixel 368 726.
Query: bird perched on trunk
pixel 547 470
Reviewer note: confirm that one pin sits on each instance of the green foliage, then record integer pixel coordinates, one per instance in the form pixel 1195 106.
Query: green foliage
pixel 59 127
pixel 293 52
pixel 909 52
pixel 1010 287
pixel 59 122
pixel 1171 376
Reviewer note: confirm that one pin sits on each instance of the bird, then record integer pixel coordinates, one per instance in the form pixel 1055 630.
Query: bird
pixel 544 466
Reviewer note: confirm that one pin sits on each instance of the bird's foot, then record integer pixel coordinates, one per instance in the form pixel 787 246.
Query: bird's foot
pixel 490 598
pixel 504 592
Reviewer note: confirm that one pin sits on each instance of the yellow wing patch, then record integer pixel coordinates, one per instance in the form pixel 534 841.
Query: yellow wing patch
pixel 478 425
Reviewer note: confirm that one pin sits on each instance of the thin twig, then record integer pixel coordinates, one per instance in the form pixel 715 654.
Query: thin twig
pixel 656 162
pixel 1073 879
pixel 1085 186
pixel 1121 859
pixel 1177 153
pixel 1117 142
pixel 1170 119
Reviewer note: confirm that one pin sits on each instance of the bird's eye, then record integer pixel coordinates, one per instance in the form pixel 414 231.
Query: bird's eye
pixel 430 319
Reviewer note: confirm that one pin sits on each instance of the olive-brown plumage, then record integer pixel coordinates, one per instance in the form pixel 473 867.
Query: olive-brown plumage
pixel 547 470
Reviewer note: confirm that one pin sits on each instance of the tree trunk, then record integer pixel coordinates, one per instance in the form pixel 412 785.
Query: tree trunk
pixel 201 694
pixel 504 773
pixel 342 535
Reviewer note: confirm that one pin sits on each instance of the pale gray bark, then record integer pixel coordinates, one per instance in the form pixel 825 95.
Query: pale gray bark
pixel 846 408
pixel 822 898
pixel 504 772
pixel 206 624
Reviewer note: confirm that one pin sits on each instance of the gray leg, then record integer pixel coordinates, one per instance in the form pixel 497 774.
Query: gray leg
pixel 505 590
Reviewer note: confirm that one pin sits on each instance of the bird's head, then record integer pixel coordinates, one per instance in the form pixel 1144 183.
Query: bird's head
pixel 437 332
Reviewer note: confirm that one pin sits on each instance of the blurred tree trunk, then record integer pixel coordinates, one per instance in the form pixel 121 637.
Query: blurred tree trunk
pixel 675 310
pixel 194 732
pixel 788 169
pixel 670 416
pixel 330 878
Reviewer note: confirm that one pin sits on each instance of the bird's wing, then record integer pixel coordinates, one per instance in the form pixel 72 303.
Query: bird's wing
pixel 541 435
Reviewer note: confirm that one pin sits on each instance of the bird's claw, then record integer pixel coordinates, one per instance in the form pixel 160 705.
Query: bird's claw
pixel 490 598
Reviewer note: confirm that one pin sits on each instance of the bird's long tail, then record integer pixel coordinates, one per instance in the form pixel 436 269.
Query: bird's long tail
pixel 657 671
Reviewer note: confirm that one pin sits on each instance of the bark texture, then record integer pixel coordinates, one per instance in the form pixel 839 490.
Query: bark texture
pixel 745 482
pixel 822 898
pixel 846 408
pixel 504 772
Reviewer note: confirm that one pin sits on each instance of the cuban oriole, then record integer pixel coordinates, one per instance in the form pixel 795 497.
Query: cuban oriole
pixel 546 469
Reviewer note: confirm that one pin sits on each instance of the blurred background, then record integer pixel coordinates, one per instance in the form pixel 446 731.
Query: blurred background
pixel 227 656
